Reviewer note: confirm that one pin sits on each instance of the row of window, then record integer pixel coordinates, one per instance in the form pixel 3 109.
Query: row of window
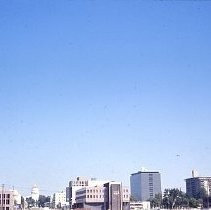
pixel 7 202
pixel 95 196
pixel 125 190
pixel 94 191
pixel 5 195
pixel 4 208
pixel 79 183
pixel 125 196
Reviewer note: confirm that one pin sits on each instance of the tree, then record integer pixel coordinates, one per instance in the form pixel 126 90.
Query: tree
pixel 133 199
pixel 194 203
pixel 156 201
pixel 175 198
pixel 43 200
pixel 30 201
pixel 22 202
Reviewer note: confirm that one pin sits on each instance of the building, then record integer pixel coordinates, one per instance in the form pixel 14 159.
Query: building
pixel 67 194
pixel 35 193
pixel 7 201
pixel 91 197
pixel 145 185
pixel 110 196
pixel 196 183
pixel 75 185
pixel 80 183
pixel 59 200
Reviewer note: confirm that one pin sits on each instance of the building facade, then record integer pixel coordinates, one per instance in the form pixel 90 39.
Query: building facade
pixel 7 201
pixel 195 185
pixel 59 200
pixel 145 185
pixel 110 196
pixel 80 183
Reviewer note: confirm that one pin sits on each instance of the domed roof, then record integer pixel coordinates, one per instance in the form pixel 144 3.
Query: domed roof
pixel 35 193
pixel 35 189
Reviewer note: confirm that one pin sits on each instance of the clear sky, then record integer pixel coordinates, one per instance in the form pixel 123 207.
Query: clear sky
pixel 100 88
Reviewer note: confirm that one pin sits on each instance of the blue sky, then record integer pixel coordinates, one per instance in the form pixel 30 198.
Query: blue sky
pixel 101 88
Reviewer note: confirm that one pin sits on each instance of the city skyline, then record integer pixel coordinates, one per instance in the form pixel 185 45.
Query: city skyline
pixel 102 88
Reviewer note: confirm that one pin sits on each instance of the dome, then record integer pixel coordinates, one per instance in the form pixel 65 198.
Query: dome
pixel 35 193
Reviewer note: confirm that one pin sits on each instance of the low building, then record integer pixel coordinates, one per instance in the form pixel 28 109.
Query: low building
pixel 80 183
pixel 59 200
pixel 110 196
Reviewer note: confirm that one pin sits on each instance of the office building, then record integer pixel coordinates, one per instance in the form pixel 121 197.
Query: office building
pixel 196 183
pixel 110 196
pixel 7 199
pixel 80 183
pixel 145 184
pixel 59 200
pixel 67 194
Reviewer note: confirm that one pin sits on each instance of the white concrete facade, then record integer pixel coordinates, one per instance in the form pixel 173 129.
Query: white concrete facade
pixel 98 197
pixel 59 199
pixel 80 183
pixel 6 199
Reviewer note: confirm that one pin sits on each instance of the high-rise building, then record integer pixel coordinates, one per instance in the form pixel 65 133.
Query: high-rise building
pixel 196 184
pixel 145 185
